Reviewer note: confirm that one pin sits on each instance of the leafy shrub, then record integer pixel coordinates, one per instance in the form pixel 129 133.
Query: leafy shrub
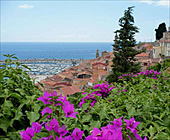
pixel 159 66
pixel 18 98
pixel 57 106
pixel 144 96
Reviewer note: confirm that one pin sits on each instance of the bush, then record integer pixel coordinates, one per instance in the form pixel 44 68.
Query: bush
pixel 18 99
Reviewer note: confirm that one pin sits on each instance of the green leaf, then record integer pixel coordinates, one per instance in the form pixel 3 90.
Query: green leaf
pixel 102 112
pixel 4 124
pixel 131 110
pixel 25 66
pixel 85 106
pixel 86 118
pixel 37 107
pixel 15 95
pixel 96 124
pixel 33 116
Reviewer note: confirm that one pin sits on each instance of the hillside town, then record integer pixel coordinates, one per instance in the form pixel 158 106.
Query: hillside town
pixel 78 78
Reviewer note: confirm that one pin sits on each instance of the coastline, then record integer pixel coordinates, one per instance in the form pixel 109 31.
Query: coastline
pixel 43 68
pixel 39 78
pixel 43 60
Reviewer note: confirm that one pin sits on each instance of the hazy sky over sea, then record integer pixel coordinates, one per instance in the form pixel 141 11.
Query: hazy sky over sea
pixel 78 21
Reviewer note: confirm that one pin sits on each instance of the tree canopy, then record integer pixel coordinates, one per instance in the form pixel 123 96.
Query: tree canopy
pixel 124 53
pixel 160 30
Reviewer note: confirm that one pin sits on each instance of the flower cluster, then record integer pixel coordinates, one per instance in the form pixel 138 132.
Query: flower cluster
pixel 53 99
pixel 103 90
pixel 60 101
pixel 148 73
pixel 60 132
pixel 113 131
pixel 29 132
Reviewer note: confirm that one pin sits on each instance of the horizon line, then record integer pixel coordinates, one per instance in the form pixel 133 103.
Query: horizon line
pixel 47 42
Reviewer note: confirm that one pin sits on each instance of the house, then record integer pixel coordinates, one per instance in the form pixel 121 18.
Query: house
pixel 99 66
pixel 165 43
pixel 142 55
pixel 156 52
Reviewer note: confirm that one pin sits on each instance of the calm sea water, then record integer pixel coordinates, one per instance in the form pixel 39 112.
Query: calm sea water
pixel 53 50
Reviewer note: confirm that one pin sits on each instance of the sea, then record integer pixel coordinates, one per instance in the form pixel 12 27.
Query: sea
pixel 54 50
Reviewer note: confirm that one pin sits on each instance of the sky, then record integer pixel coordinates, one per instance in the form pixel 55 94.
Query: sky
pixel 78 21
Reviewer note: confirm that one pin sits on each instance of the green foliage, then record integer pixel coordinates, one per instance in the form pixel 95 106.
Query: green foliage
pixel 159 67
pixel 160 30
pixel 18 98
pixel 146 99
pixel 156 67
pixel 124 53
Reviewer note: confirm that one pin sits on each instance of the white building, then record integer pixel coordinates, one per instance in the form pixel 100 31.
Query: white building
pixel 165 43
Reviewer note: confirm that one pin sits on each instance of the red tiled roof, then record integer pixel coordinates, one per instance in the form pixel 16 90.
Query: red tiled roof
pixel 49 83
pixel 84 72
pixel 99 63
pixel 143 54
pixel 62 83
pixel 69 90
pixel 168 41
pixel 146 45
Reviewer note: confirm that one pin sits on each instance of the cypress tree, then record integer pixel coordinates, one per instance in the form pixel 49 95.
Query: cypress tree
pixel 124 53
pixel 160 30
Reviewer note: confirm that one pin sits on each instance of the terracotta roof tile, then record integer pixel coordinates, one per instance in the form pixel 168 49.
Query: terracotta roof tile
pixel 143 54
pixel 69 90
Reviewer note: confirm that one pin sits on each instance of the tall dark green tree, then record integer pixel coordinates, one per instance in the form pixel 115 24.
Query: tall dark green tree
pixel 160 30
pixel 124 60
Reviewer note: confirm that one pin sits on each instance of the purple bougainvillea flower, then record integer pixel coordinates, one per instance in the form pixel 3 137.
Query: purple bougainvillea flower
pixel 93 102
pixel 81 102
pixel 134 75
pixel 156 87
pixel 124 90
pixel 77 134
pixel 68 138
pixel 113 134
pixel 120 77
pixel 63 100
pixel 36 127
pixel 96 132
pixel 117 134
pixel 27 134
pixel 45 98
pixel 53 125
pixel 145 138
pixel 46 110
pixel 107 134
pixel 131 124
pixel 62 131
pixel 117 123
pixel 90 137
pixel 69 111
pixel 137 137
pixel 54 93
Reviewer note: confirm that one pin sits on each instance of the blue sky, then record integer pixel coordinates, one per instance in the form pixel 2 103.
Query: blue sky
pixel 78 21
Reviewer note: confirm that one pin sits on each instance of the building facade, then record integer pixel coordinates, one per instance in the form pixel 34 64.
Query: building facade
pixel 165 43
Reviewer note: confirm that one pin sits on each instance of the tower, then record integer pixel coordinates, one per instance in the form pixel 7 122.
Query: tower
pixel 97 53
